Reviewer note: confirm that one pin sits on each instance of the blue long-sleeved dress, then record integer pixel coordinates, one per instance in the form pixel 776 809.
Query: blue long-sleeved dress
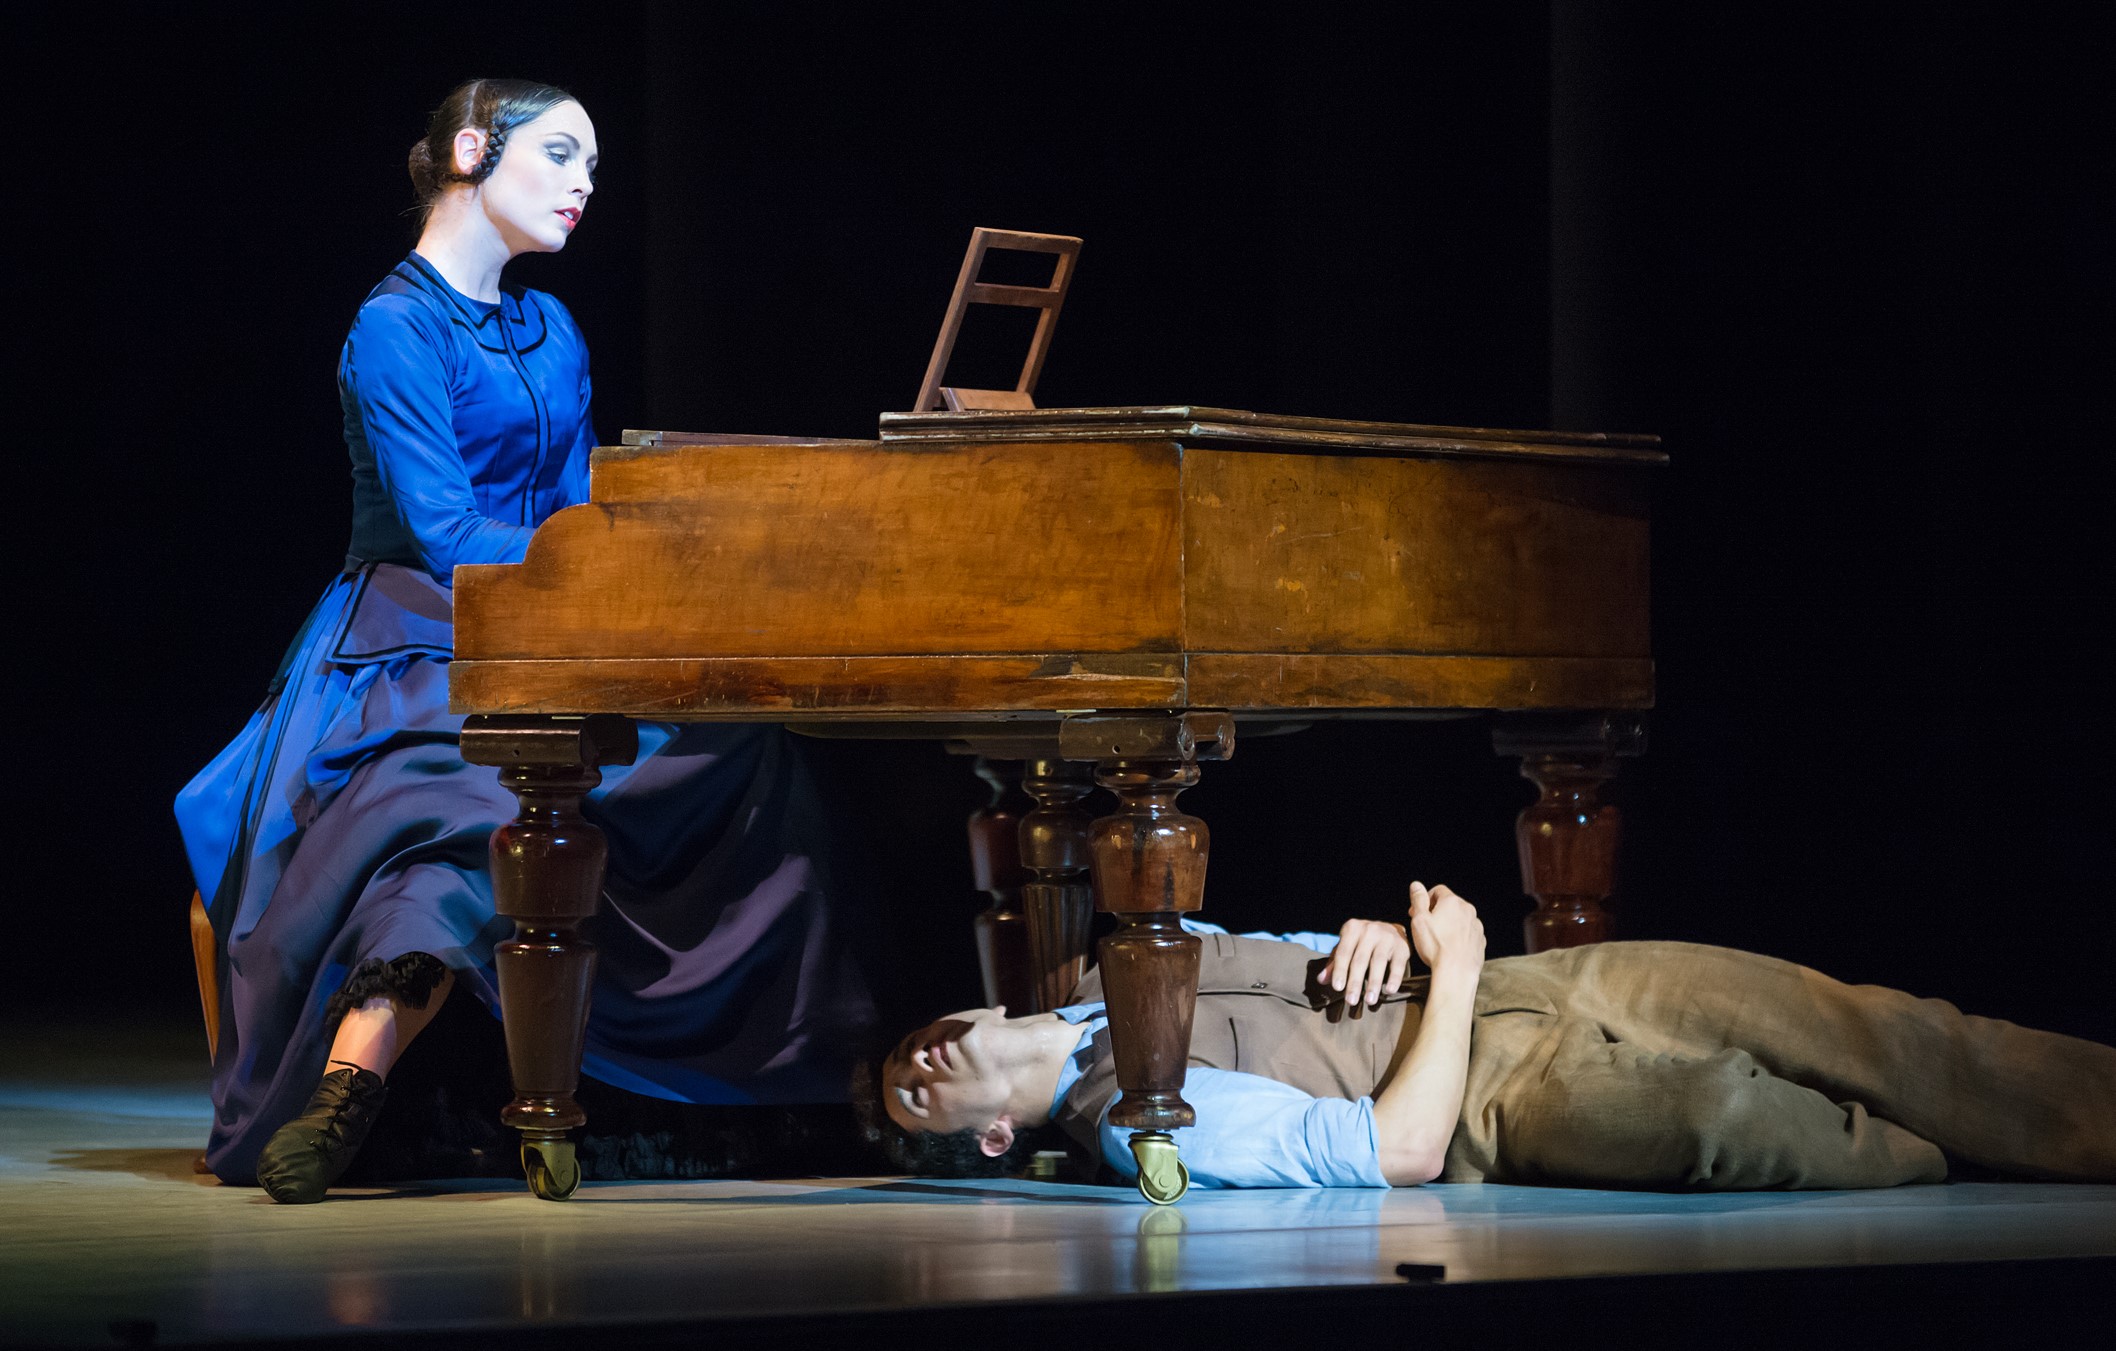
pixel 341 830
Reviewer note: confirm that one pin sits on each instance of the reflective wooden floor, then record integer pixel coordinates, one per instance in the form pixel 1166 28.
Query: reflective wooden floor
pixel 107 1232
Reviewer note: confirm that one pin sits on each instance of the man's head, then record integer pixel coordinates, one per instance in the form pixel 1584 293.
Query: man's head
pixel 959 1096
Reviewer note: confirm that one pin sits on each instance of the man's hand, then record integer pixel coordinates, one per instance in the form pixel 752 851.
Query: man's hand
pixel 1369 961
pixel 1446 931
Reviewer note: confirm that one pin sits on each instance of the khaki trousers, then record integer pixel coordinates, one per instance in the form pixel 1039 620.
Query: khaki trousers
pixel 1673 1065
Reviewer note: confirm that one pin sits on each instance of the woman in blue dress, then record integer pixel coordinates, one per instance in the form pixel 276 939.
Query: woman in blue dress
pixel 340 840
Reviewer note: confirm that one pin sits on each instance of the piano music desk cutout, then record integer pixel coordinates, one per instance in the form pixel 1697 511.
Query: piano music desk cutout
pixel 1094 595
pixel 970 291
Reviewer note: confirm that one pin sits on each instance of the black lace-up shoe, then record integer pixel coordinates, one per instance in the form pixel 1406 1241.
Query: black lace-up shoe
pixel 305 1156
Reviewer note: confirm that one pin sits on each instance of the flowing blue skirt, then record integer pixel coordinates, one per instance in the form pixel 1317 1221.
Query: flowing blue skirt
pixel 343 826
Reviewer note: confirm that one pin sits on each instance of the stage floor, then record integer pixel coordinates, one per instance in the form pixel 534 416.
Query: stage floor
pixel 108 1235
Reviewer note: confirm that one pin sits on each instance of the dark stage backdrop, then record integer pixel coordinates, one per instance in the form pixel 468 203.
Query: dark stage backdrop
pixel 1856 271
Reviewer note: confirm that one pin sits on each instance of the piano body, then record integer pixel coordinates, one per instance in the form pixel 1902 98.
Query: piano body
pixel 1102 595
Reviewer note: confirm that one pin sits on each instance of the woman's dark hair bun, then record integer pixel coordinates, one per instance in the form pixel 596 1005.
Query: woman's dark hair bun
pixel 425 174
pixel 495 107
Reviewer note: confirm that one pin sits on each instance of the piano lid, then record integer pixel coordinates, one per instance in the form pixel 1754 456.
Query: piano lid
pixel 1229 427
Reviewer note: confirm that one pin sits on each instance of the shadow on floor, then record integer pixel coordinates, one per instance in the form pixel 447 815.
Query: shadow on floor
pixel 880 1193
pixel 158 1165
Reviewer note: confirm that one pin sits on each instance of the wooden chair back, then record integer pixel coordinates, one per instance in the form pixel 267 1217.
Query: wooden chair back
pixel 204 958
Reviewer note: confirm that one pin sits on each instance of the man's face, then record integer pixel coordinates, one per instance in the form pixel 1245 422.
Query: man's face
pixel 950 1075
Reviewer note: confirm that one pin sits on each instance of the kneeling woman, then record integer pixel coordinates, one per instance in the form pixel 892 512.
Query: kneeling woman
pixel 340 840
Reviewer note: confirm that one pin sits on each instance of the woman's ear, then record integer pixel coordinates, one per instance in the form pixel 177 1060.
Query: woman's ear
pixel 467 149
pixel 997 1139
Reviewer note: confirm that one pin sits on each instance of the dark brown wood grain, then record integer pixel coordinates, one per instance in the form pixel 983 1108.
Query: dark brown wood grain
pixel 1382 681
pixel 1328 553
pixel 1002 932
pixel 547 873
pixel 1057 895
pixel 1149 861
pixel 1568 840
pixel 547 870
pixel 850 580
pixel 751 551
pixel 788 688
pixel 1568 837
pixel 925 690
pixel 1150 984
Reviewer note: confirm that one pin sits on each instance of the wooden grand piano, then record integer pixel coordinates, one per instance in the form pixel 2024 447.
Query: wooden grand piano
pixel 1103 595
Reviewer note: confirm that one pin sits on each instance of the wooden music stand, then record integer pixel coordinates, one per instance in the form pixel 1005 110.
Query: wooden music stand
pixel 968 291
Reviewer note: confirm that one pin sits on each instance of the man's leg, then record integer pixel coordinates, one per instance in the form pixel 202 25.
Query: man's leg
pixel 1988 1092
pixel 1578 1109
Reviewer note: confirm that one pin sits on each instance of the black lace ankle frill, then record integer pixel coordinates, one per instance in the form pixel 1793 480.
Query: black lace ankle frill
pixel 409 978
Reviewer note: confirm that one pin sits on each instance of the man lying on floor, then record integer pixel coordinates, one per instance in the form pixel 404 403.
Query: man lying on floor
pixel 1314 1062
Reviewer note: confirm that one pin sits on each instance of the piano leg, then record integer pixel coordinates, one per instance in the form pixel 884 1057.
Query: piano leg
pixel 547 872
pixel 1149 869
pixel 995 865
pixel 1568 836
pixel 1057 897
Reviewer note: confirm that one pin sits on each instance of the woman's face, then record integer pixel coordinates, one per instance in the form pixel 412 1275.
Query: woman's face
pixel 537 192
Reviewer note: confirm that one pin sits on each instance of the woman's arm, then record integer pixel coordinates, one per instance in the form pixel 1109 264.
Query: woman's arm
pixel 397 371
pixel 1415 1116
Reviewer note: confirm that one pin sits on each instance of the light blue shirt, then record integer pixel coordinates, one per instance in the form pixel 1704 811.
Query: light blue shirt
pixel 1252 1131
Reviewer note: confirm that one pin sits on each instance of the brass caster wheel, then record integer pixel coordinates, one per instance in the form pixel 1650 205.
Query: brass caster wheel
pixel 1162 1177
pixel 551 1168
pixel 1165 1191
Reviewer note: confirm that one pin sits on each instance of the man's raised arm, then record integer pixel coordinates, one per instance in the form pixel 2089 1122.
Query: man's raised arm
pixel 1415 1116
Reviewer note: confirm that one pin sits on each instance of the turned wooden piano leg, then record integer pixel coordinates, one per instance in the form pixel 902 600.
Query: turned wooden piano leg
pixel 1149 866
pixel 547 873
pixel 1148 863
pixel 1568 836
pixel 995 867
pixel 1057 897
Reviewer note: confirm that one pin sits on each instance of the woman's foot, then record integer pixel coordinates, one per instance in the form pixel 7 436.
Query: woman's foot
pixel 305 1156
